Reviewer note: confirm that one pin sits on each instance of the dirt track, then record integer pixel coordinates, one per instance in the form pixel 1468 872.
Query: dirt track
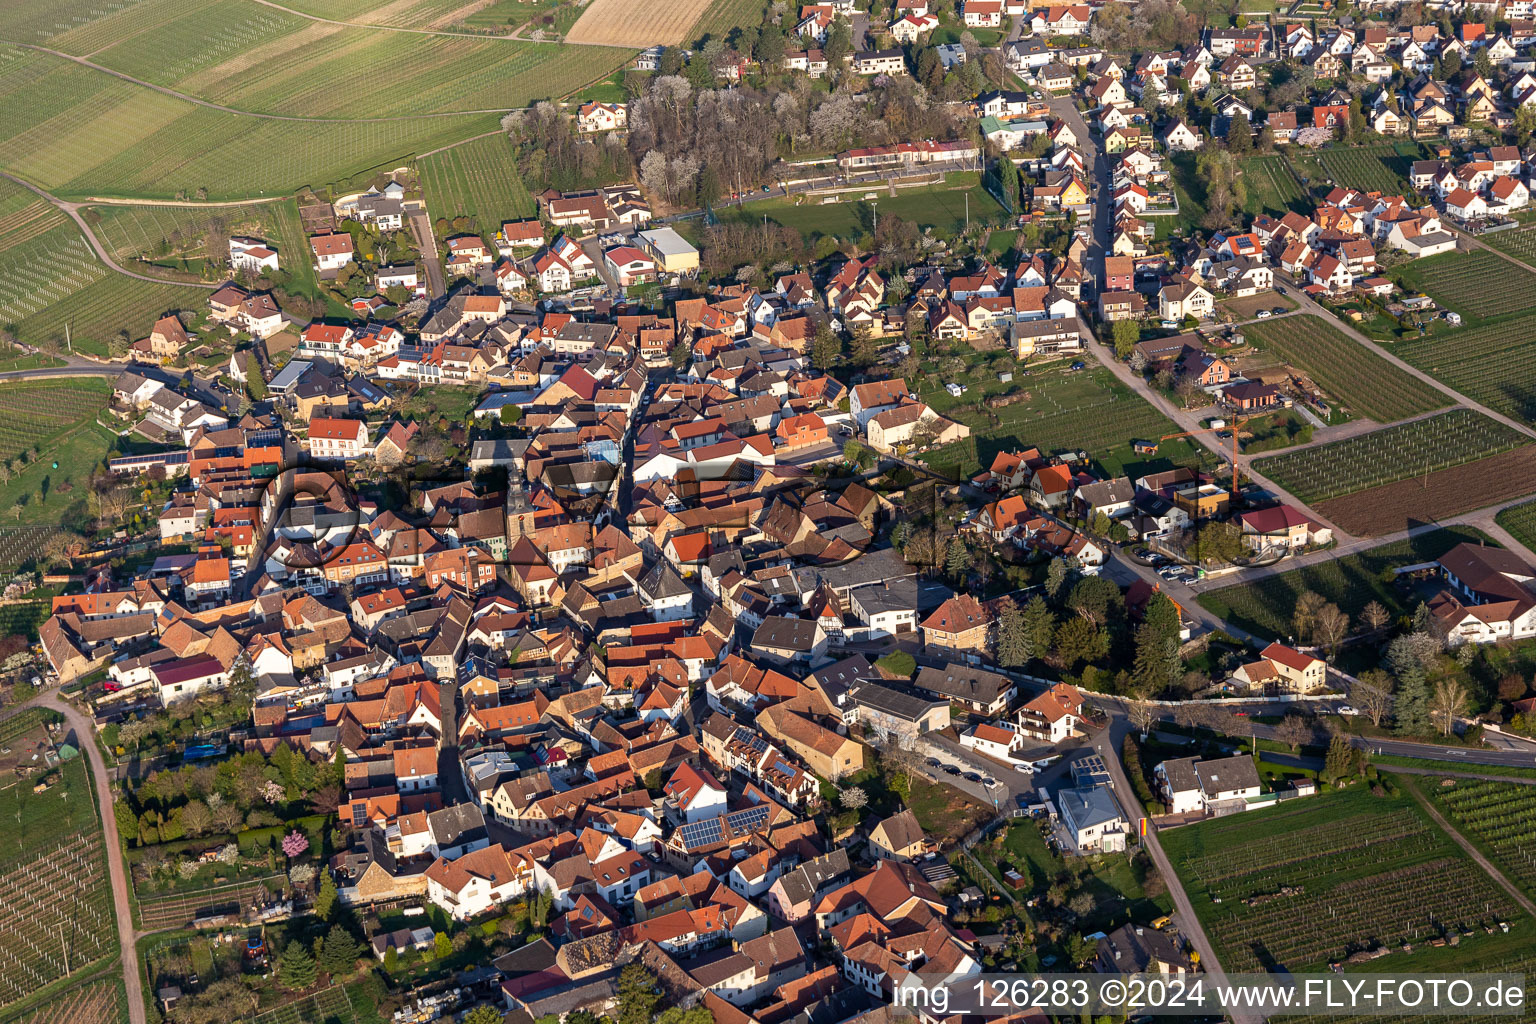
pixel 636 22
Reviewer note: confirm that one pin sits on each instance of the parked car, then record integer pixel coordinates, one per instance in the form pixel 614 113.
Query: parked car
pixel 1265 314
pixel 1345 709
pixel 972 777
pixel 950 769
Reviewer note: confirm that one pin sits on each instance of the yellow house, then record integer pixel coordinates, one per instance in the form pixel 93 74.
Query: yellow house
pixel 1074 193
pixel 670 250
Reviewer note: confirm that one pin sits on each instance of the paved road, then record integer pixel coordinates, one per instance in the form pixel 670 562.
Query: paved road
pixel 1107 745
pixel 426 244
pixel 73 370
pixel 85 739
pixel 73 212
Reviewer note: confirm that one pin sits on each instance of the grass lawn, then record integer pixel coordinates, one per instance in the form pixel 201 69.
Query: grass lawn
pixel 1088 410
pixel 1116 883
pixel 944 812
pixel 1264 606
pixel 58 417
pixel 942 207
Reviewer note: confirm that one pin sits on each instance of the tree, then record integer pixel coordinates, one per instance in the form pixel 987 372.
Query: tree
pixel 391 959
pixel 1293 732
pixel 442 946
pixel 708 188
pixel 1304 615
pixel 486 1013
pixel 296 969
pixel 956 559
pixel 1039 628
pixel 1012 640
pixel 1342 762
pixel 1411 708
pixel 637 997
pixel 294 843
pixel 325 900
pixel 1079 640
pixel 1126 334
pixel 1373 692
pixel 339 953
pixel 839 43
pixel 852 798
pixel 826 348
pixel 1374 617
pixel 679 355
pixel 1332 626
pixel 1448 703
pixel 1008 180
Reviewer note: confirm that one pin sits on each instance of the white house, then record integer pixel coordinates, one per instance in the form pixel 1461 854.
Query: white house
pixel 251 255
pixel 332 252
pixel 1054 715
pixel 601 117
pixel 1000 741
pixel 332 438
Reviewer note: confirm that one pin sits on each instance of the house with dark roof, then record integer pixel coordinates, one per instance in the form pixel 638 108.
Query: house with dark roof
pixel 976 689
pixel 898 837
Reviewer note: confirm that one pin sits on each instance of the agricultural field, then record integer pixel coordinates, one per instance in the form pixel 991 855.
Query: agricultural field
pixel 941 207
pixel 100 1000
pixel 1499 818
pixel 478 179
pixel 1089 411
pixel 1479 285
pixel 1307 883
pixel 1357 378
pixel 1520 521
pixel 80 133
pixel 1435 496
pixel 154 235
pixel 1388 455
pixel 1272 188
pixel 1382 167
pixel 179 910
pixel 57 917
pixel 724 15
pixel 58 417
pixel 1265 605
pixel 1494 364
pixel 637 22
pixel 1517 242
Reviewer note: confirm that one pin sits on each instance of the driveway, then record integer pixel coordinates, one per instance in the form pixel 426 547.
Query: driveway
pixel 426 242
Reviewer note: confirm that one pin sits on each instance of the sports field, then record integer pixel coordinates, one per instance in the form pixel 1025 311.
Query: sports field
pixel 943 207
pixel 1363 382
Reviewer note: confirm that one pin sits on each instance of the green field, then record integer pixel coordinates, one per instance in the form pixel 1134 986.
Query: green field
pixel 1520 521
pixel 1265 605
pixel 1388 455
pixel 1363 382
pixel 942 208
pixel 151 232
pixel 1479 285
pixel 1494 364
pixel 478 179
pixel 1272 188
pixel 58 418
pixel 1363 871
pixel 1497 817
pixel 724 15
pixel 1518 242
pixel 1089 411
pixel 1380 167
pixel 58 918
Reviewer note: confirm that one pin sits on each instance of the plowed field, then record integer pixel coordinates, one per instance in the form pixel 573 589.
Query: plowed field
pixel 636 23
pixel 1437 496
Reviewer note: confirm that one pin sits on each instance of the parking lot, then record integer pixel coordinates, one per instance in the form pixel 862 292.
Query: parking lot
pixel 1166 567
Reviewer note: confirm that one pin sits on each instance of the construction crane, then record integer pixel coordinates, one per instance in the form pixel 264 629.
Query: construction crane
pixel 1235 426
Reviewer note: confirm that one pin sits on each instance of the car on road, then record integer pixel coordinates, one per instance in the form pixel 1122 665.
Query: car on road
pixel 1240 714
pixel 950 769
pixel 1264 314
pixel 1345 709
pixel 972 777
pixel 934 762
pixel 765 190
